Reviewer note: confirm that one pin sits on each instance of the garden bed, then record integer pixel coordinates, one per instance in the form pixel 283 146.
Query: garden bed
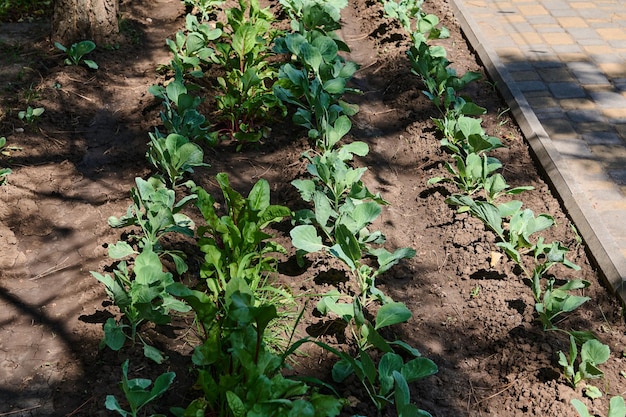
pixel 473 313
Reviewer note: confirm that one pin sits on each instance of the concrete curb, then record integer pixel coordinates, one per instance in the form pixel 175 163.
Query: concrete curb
pixel 601 246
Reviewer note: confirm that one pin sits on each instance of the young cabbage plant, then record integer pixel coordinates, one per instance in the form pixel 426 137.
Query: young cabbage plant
pixel 315 85
pixel 471 173
pixel 4 172
pixel 30 115
pixel 141 294
pixel 77 51
pixel 554 301
pixel 592 353
pixel 387 383
pixel 138 393
pixel 180 114
pixel 157 213
pixel 206 8
pixel 343 211
pixel 617 407
pixel 191 49
pixel 174 156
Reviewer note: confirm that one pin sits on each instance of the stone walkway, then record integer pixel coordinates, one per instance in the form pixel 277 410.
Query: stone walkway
pixel 561 66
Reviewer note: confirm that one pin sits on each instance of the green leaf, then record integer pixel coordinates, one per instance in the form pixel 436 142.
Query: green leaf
pixel 91 64
pixel 595 352
pixel 235 404
pixel 311 56
pixel 341 370
pixel 341 127
pixel 326 405
pixel 259 196
pixel 392 313
pixel 348 244
pixel 114 336
pixel 593 392
pixel 111 404
pixel 617 408
pixel 402 395
pixel 244 39
pixel 120 250
pixel 419 368
pixel 389 363
pixel 153 353
pixel 369 369
pixel 305 237
pixel 580 407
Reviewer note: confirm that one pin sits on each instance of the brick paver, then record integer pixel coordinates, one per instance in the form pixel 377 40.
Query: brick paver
pixel 566 59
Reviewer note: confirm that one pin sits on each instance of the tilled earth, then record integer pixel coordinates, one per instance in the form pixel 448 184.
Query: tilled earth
pixel 75 166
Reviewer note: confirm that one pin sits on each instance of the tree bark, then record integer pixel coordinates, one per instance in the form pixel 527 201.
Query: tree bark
pixel 77 20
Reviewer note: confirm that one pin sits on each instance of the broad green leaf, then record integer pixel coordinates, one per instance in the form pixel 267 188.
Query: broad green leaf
pixel 326 405
pixel 259 196
pixel 510 208
pixel 392 313
pixel 341 127
pixel 174 89
pixel 91 64
pixel 114 289
pixel 595 352
pixel 348 243
pixel 305 237
pixel 418 368
pixel 592 392
pixel 376 340
pixel 369 369
pixel 114 336
pixel 305 187
pixel 335 86
pixel 341 370
pixel 617 408
pixel 572 302
pixel 327 47
pixel 580 407
pixel 311 56
pixel 357 148
pixel 301 408
pixel 120 250
pixel 402 395
pixel 153 353
pixel 387 259
pixel 323 209
pixel 363 215
pixel 389 363
pixel 244 39
pixel 111 404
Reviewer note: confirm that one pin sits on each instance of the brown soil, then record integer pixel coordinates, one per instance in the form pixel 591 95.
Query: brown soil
pixel 75 166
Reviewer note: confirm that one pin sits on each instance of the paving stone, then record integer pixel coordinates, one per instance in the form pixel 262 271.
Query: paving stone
pixel 566 90
pixel 552 75
pixel 561 129
pixel 573 148
pixel 531 86
pixel 588 73
pixel 558 38
pixel 608 99
pixel 603 138
pixel 525 75
pixel 577 104
pixel 585 115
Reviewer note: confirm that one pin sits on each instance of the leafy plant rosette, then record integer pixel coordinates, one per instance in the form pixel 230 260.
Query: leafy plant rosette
pixel 77 51
pixel 4 172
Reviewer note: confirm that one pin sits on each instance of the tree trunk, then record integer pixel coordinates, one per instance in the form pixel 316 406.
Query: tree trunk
pixel 78 20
